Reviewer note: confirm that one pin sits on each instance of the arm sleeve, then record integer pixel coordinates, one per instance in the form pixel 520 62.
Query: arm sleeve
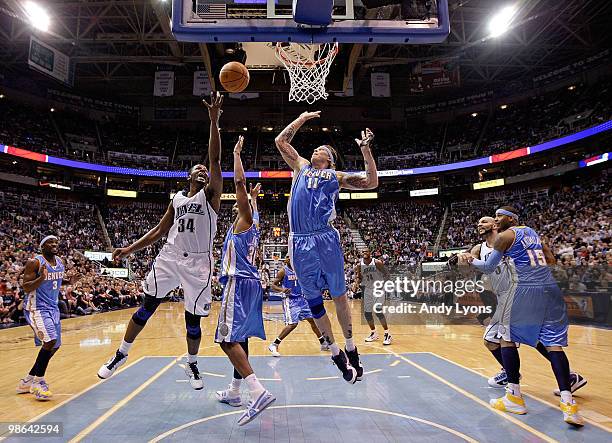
pixel 488 266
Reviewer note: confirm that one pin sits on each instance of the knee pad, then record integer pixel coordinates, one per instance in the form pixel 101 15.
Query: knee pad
pixel 368 316
pixel 193 325
pixel 146 310
pixel 316 307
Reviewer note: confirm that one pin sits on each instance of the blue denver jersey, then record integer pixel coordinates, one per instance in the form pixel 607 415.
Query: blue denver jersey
pixel 312 204
pixel 239 251
pixel 290 281
pixel 527 256
pixel 44 298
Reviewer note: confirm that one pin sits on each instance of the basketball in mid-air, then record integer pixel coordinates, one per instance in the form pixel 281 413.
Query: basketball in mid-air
pixel 234 77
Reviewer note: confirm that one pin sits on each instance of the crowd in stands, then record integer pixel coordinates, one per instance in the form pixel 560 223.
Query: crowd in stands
pixel 575 221
pixel 500 128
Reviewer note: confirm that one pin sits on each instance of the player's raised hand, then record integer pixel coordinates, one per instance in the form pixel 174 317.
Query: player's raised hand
pixel 214 107
pixel 238 146
pixel 366 138
pixel 254 191
pixel 120 253
pixel 306 115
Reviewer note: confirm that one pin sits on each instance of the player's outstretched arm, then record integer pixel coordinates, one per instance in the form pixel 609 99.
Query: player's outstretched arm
pixel 276 285
pixel 245 216
pixel 31 281
pixel 501 245
pixel 215 185
pixel 383 269
pixel 254 191
pixel 283 141
pixel 361 181
pixel 150 237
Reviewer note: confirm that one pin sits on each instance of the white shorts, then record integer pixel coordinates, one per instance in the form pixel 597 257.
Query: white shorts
pixel 369 299
pixel 494 329
pixel 192 271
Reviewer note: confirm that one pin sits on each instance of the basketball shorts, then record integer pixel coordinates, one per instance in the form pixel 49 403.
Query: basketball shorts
pixel 192 271
pixel 492 330
pixel 46 326
pixel 369 299
pixel 318 263
pixel 533 314
pixel 296 310
pixel 241 314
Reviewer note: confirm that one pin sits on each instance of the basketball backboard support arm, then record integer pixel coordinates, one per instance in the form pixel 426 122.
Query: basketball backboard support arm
pixel 215 22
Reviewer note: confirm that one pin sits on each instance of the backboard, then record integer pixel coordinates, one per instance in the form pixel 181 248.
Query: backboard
pixel 354 21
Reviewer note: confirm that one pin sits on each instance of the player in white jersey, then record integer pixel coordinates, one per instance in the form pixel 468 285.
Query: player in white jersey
pixel 190 224
pixel 368 271
pixel 500 283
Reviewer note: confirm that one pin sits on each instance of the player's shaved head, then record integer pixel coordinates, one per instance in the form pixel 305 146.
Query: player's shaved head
pixel 485 225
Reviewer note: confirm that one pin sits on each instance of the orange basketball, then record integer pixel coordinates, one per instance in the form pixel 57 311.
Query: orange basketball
pixel 234 77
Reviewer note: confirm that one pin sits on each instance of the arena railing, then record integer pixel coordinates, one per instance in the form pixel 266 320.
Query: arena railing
pixel 495 158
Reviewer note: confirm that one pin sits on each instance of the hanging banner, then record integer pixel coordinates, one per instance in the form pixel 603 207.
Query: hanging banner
pixel 381 84
pixel 50 61
pixel 432 75
pixel 201 84
pixel 164 84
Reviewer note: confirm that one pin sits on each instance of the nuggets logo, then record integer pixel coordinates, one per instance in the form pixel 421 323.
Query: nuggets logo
pixel 40 334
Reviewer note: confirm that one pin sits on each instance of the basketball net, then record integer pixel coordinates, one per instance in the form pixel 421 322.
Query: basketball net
pixel 308 66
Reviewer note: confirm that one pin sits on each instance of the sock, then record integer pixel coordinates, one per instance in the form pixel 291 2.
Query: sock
pixel 386 332
pixel 42 361
pixel 124 348
pixel 350 345
pixel 192 358
pixel 277 341
pixel 37 379
pixel 515 389
pixel 335 350
pixel 255 386
pixel 235 385
pixel 497 353
pixel 566 397
pixel 321 339
pixel 542 350
pixel 561 368
pixel 372 331
pixel 512 363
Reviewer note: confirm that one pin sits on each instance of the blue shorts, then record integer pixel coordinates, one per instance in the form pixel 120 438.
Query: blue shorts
pixel 46 326
pixel 318 262
pixel 533 314
pixel 296 310
pixel 241 314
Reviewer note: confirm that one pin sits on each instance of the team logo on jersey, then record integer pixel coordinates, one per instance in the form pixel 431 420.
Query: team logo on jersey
pixel 190 208
pixel 40 334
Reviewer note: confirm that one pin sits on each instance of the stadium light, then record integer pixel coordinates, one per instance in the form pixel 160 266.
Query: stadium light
pixel 501 21
pixel 474 114
pixel 1 96
pixel 503 106
pixel 52 109
pixel 37 15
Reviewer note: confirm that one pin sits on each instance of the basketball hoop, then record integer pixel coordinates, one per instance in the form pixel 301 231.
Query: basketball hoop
pixel 308 66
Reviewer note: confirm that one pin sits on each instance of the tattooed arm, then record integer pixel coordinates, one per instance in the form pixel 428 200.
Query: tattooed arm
pixel 360 181
pixel 283 141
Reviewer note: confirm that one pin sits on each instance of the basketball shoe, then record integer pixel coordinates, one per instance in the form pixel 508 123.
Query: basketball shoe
pixel 24 385
pixel 41 390
pixel 388 339
pixel 256 407
pixel 109 368
pixel 273 348
pixel 571 414
pixel 229 397
pixel 576 382
pixel 509 403
pixel 192 371
pixel 372 337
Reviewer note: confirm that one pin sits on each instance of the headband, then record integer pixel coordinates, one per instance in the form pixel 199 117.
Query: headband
pixel 329 152
pixel 47 238
pixel 508 213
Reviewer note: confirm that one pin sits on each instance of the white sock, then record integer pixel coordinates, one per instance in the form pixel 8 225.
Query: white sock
pixel 235 385
pixel 515 389
pixel 335 350
pixel 192 358
pixel 124 348
pixel 255 387
pixel 386 331
pixel 350 345
pixel 566 397
pixel 372 331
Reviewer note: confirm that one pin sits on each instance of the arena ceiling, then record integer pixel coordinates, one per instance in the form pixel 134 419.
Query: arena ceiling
pixel 123 40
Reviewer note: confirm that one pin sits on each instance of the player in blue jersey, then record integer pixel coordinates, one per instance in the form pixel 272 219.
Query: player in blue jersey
pixel 241 314
pixel 295 307
pixel 533 310
pixel 314 245
pixel 42 277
